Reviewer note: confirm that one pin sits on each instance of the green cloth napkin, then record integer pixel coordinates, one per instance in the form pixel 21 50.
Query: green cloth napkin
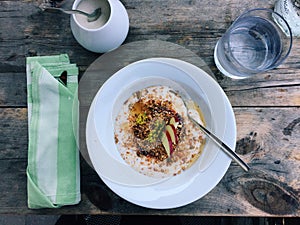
pixel 53 175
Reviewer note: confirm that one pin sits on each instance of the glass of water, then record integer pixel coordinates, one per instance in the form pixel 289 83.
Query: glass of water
pixel 253 44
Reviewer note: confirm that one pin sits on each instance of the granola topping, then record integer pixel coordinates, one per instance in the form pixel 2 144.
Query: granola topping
pixel 148 119
pixel 154 134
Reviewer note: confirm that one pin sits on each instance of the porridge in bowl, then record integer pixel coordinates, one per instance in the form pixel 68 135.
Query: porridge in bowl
pixel 154 135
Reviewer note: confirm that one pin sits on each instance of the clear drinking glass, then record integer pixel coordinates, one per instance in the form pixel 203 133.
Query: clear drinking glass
pixel 254 43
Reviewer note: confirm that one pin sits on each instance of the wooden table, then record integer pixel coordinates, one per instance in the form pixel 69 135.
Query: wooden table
pixel 266 108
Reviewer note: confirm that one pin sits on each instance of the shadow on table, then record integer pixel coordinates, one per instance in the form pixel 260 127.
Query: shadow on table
pixel 174 220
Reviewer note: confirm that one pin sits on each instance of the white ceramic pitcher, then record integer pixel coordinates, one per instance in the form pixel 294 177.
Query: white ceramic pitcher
pixel 108 32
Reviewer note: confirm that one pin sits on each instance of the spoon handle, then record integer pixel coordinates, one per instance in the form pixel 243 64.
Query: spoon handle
pixel 223 146
pixel 70 11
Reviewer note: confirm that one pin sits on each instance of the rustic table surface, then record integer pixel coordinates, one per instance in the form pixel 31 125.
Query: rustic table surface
pixel 266 108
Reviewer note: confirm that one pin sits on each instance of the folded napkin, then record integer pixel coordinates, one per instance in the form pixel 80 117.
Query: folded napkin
pixel 53 175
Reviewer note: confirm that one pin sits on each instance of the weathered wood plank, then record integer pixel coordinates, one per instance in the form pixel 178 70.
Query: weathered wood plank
pixel 276 96
pixel 13 133
pixel 13 92
pixel 280 92
pixel 33 34
pixel 273 157
pixel 13 89
pixel 172 23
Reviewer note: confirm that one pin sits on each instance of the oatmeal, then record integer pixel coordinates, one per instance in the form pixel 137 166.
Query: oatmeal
pixel 154 135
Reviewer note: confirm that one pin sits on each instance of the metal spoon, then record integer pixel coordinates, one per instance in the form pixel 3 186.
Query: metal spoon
pixel 222 145
pixel 188 103
pixel 90 16
pixel 186 99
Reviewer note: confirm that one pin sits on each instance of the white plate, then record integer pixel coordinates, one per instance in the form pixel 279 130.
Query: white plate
pixel 202 177
pixel 119 87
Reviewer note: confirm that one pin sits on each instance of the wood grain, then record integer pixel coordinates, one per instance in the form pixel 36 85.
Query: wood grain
pixel 272 157
pixel 267 108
